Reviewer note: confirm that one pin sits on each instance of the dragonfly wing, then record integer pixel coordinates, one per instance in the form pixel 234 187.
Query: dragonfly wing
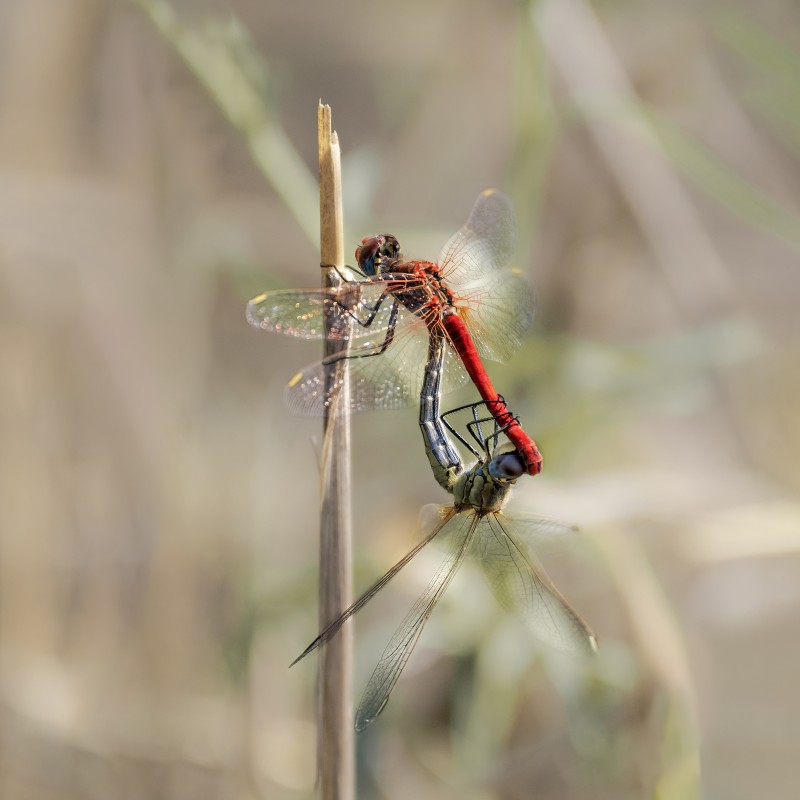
pixel 335 626
pixel 301 312
pixel 459 528
pixel 498 310
pixel 495 302
pixel 543 535
pixel 485 244
pixel 522 587
pixel 378 380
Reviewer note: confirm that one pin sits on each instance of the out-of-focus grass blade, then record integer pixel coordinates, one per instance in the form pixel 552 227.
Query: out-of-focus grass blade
pixel 777 99
pixel 535 129
pixel 225 62
pixel 679 777
pixel 768 55
pixel 763 529
pixel 720 182
pixel 780 114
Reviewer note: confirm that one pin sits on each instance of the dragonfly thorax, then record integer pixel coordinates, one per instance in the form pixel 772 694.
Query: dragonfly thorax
pixel 479 489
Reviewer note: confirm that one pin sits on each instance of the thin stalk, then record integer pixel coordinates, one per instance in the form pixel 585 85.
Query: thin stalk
pixel 335 732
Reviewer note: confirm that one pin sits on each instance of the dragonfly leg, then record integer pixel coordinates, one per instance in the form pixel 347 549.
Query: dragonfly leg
pixel 346 278
pixel 390 329
pixel 486 442
pixel 364 322
pixel 489 443
pixel 373 310
pixel 476 430
pixel 455 432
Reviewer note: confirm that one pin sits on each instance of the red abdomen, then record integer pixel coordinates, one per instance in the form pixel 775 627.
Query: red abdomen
pixel 465 347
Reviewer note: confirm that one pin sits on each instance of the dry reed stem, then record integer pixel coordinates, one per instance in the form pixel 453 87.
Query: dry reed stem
pixel 335 735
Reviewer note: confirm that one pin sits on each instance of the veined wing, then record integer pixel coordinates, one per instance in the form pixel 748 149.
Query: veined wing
pixel 335 626
pixel 460 529
pixel 378 380
pixel 522 587
pixel 495 301
pixel 498 309
pixel 301 312
pixel 542 534
pixel 484 245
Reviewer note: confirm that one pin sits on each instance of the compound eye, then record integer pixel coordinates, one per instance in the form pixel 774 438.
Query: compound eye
pixel 507 467
pixel 367 253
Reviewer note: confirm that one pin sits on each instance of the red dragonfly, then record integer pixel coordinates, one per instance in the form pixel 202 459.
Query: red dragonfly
pixel 471 295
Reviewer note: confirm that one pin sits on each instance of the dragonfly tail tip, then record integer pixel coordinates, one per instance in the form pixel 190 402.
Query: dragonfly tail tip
pixel 361 724
pixel 299 658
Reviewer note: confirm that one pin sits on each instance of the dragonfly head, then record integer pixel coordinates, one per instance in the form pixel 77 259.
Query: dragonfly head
pixel 507 466
pixel 376 253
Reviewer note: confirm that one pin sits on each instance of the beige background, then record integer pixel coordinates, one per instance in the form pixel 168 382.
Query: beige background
pixel 158 506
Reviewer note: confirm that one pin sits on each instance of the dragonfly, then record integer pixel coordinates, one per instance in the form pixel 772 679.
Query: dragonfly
pixel 481 307
pixel 473 525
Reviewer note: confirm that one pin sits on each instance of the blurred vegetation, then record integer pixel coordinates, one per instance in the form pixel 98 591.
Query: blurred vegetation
pixel 158 547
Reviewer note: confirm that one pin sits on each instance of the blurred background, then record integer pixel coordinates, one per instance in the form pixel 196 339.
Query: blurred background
pixel 158 507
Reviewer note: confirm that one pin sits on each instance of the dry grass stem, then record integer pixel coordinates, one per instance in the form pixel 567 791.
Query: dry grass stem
pixel 335 728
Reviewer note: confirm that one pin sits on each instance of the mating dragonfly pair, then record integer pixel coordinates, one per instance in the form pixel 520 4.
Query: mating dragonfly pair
pixel 417 329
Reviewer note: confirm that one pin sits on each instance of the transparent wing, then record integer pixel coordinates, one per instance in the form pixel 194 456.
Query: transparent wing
pixel 496 303
pixel 335 626
pixel 498 310
pixel 543 535
pixel 391 379
pixel 523 588
pixel 301 312
pixel 484 245
pixel 460 528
